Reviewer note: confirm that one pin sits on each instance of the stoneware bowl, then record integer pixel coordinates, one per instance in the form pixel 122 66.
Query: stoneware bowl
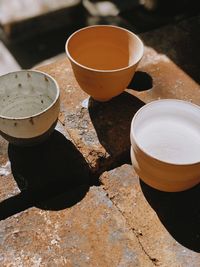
pixel 29 106
pixel 104 59
pixel 165 144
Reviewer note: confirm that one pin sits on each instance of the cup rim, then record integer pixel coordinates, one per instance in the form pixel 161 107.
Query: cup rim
pixel 41 112
pixel 99 70
pixel 145 152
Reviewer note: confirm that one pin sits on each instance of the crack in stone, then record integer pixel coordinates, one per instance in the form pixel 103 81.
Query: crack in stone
pixel 102 165
pixel 137 234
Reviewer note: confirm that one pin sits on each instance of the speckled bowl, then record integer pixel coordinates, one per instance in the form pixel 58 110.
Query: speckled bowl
pixel 165 144
pixel 29 106
pixel 104 59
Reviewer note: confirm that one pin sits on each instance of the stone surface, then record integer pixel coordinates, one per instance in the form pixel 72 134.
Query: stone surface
pixel 156 217
pixel 180 42
pixel 101 131
pixel 52 214
pixel 91 233
pixel 71 224
pixel 168 80
pixel 74 116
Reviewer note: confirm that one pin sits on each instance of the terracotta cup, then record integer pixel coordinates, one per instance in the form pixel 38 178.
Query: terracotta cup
pixel 104 59
pixel 29 106
pixel 165 144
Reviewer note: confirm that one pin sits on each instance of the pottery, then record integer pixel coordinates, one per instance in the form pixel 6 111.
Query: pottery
pixel 104 59
pixel 165 144
pixel 29 106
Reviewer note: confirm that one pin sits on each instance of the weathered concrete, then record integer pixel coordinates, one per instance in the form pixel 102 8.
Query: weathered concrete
pixel 101 130
pixel 157 216
pixel 168 80
pixel 180 42
pixel 92 233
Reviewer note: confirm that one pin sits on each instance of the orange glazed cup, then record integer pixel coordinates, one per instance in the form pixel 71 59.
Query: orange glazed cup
pixel 104 59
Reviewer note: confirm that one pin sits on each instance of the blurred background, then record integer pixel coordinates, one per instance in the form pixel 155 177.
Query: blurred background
pixel 34 31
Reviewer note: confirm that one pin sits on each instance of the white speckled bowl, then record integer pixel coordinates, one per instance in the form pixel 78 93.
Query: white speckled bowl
pixel 165 144
pixel 29 106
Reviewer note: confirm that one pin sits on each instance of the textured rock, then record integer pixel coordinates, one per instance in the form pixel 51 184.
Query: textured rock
pixel 168 80
pixel 101 131
pixel 156 217
pixel 50 216
pixel 180 42
pixel 92 233
pixel 54 177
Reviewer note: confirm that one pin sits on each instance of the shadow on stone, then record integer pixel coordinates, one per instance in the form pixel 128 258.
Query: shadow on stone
pixel 112 122
pixel 179 213
pixel 52 176
pixel 182 44
pixel 141 81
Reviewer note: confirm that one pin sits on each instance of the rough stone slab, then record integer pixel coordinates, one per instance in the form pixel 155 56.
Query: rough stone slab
pixel 74 116
pixel 7 62
pixel 92 233
pixel 101 132
pixel 168 79
pixel 180 42
pixel 157 216
pixel 74 226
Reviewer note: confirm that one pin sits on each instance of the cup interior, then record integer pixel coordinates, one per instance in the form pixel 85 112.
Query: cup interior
pixel 26 93
pixel 104 47
pixel 169 131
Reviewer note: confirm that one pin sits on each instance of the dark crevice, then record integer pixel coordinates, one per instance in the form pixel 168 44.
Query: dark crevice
pixel 154 261
pixel 108 164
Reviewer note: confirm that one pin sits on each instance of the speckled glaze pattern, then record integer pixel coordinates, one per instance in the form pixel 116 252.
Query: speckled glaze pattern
pixel 29 105
pixel 29 141
pixel 104 59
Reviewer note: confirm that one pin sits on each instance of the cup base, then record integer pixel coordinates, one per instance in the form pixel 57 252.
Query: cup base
pixel 102 99
pixel 27 142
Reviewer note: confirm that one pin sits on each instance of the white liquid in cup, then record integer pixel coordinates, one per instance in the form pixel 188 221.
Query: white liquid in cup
pixel 172 141
pixel 169 131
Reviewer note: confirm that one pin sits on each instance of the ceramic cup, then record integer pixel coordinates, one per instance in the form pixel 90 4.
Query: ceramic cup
pixel 104 59
pixel 165 144
pixel 29 106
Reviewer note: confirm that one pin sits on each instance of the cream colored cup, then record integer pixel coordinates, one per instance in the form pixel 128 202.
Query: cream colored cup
pixel 165 144
pixel 29 106
pixel 104 59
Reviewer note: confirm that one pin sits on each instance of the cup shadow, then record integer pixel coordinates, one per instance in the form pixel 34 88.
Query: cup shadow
pixel 179 212
pixel 141 81
pixel 112 121
pixel 53 176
